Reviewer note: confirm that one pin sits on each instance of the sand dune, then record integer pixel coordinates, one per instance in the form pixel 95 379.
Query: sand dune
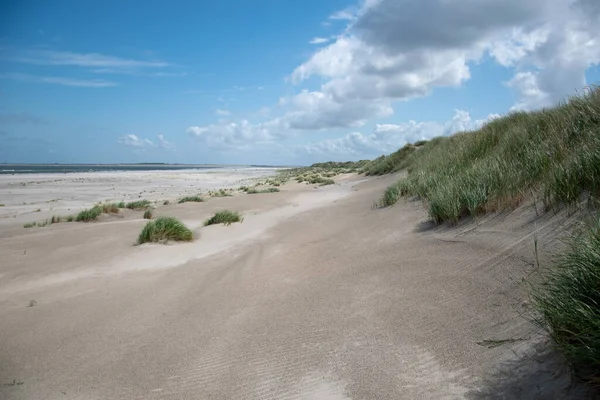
pixel 314 296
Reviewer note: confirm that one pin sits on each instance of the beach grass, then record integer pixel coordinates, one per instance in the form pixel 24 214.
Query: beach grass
pixel 138 205
pixel 89 215
pixel 110 208
pixel 148 214
pixel 164 229
pixel 568 303
pixel 258 191
pixel 226 217
pixel 552 155
pixel 197 199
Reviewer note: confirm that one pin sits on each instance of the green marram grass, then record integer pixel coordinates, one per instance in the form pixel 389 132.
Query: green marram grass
pixel 148 214
pixel 552 155
pixel 226 217
pixel 568 303
pixel 139 205
pixel 257 191
pixel 88 215
pixel 165 229
pixel 187 199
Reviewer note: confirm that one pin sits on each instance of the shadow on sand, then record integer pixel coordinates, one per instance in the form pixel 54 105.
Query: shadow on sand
pixel 538 372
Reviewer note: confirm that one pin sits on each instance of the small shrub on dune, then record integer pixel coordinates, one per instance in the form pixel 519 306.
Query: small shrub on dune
pixel 138 205
pixel 327 181
pixel 166 203
pixel 29 225
pixel 224 217
pixel 196 199
pixel 164 229
pixel 148 214
pixel 121 204
pixel 88 215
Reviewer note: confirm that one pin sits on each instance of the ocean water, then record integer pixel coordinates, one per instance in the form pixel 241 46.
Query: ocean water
pixel 73 168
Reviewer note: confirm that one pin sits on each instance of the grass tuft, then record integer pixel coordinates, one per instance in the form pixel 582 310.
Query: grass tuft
pixel 110 208
pixel 196 199
pixel 164 229
pixel 224 217
pixel 568 303
pixel 138 205
pixel 29 225
pixel 268 190
pixel 148 214
pixel 88 215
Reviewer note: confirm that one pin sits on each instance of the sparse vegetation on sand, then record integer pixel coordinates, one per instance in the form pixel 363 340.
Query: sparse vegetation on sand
pixel 258 191
pixel 569 303
pixel 186 199
pixel 220 193
pixel 110 208
pixel 139 205
pixel 148 214
pixel 164 229
pixel 226 217
pixel 553 154
pixel 88 215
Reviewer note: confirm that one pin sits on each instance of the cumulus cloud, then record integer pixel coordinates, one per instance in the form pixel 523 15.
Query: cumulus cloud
pixel 140 143
pixel 386 138
pixel 164 143
pixel 234 135
pixel 223 113
pixel 135 141
pixel 397 50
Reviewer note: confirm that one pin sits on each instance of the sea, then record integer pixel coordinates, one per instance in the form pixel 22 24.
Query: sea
pixel 74 168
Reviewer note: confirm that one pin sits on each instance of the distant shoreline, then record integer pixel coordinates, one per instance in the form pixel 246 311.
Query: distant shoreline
pixel 9 169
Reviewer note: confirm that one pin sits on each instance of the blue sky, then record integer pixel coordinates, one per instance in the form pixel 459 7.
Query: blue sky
pixel 276 81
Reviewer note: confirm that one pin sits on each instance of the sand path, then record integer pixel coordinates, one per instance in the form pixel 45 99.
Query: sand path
pixel 314 296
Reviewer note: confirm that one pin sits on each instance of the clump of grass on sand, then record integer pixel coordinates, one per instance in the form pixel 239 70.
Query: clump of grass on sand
pixel 553 154
pixel 257 191
pixel 148 214
pixel 224 217
pixel 121 204
pixel 220 193
pixel 29 225
pixel 164 229
pixel 186 199
pixel 138 205
pixel 568 303
pixel 110 208
pixel 88 215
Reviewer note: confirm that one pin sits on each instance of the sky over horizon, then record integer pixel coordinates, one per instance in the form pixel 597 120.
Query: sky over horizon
pixel 278 82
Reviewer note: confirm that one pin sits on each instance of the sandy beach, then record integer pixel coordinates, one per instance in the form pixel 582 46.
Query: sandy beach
pixel 315 295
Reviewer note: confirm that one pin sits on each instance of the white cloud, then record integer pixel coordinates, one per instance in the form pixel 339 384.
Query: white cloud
pixel 96 83
pixel 346 14
pixel 135 141
pixel 234 135
pixel 223 113
pixel 164 143
pixel 141 144
pixel 397 50
pixel 96 60
pixel 319 40
pixel 386 138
